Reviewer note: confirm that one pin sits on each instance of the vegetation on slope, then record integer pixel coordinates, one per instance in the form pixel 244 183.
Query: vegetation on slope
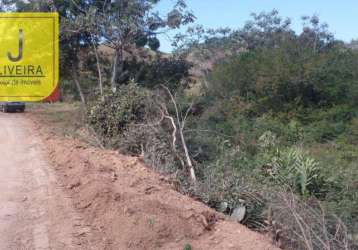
pixel 270 138
pixel 273 130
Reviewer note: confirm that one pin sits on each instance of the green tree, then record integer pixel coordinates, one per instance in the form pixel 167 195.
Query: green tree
pixel 125 26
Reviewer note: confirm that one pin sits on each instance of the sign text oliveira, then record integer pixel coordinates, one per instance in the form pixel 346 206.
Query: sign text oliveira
pixel 29 54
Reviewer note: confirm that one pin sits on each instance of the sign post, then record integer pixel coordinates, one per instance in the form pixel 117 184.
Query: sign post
pixel 29 57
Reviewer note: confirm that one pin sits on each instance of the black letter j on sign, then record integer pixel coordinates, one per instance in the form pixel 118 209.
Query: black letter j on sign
pixel 21 42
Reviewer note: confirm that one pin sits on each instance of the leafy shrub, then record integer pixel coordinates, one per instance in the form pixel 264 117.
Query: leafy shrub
pixel 187 246
pixel 327 124
pixel 127 120
pixel 111 116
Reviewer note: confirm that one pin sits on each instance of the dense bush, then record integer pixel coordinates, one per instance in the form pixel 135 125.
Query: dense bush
pixel 128 120
pixel 112 115
pixel 286 78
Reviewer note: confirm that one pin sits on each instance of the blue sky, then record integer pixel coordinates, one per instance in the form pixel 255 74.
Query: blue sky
pixel 341 16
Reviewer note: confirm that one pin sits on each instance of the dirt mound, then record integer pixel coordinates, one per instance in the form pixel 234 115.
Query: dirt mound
pixel 126 205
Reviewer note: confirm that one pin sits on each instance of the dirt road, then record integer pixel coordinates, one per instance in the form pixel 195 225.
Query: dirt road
pixel 34 212
pixel 59 193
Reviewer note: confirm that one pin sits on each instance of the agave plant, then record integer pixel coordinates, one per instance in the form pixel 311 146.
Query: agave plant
pixel 268 140
pixel 294 167
pixel 306 170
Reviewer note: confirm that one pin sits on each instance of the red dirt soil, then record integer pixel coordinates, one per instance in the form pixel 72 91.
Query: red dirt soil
pixel 126 205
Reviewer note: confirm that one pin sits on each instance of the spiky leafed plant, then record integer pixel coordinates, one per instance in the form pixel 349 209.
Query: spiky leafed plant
pixel 295 167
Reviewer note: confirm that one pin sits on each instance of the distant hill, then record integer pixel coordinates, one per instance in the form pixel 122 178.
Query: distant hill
pixel 353 44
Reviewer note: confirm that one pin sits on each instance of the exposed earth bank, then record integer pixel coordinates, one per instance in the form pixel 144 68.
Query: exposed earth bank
pixel 60 193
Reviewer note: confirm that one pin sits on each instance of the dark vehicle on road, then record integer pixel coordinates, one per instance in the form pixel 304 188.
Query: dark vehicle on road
pixel 12 107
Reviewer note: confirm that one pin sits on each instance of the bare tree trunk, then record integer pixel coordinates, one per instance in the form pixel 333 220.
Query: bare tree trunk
pixel 78 86
pixel 188 160
pixel 139 73
pixel 114 70
pixel 118 66
pixel 98 67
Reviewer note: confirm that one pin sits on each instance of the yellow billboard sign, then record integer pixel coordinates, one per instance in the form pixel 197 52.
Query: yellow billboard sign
pixel 29 56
